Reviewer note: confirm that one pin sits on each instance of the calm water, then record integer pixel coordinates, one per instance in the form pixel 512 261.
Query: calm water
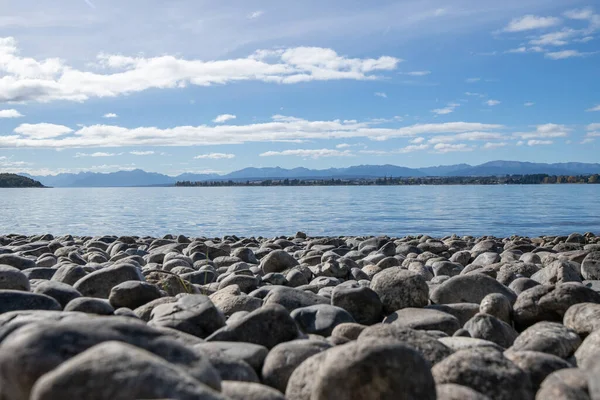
pixel 395 210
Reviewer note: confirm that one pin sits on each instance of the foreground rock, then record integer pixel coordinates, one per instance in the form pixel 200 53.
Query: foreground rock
pixel 299 317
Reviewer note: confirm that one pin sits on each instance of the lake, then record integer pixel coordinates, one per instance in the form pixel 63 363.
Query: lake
pixel 271 211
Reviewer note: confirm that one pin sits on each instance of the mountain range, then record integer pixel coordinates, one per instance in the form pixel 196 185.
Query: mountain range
pixel 139 177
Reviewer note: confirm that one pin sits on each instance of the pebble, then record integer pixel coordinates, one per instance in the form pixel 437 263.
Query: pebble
pixel 300 317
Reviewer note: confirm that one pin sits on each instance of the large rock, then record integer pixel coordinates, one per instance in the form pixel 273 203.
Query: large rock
pixel 59 291
pixel 452 391
pixel 320 319
pixel 250 353
pixel 559 271
pixel 277 261
pixel 118 371
pixel 39 347
pixel 462 311
pixel 486 371
pixel 99 283
pixel 425 319
pixel 548 337
pixel 488 327
pixel 432 349
pixel 565 384
pixel 590 267
pixel 550 303
pixel 250 391
pixel 536 364
pixel 69 274
pixel 588 352
pixel 399 289
pixel 471 288
pixel 14 300
pixel 267 326
pixel 17 261
pixel 12 278
pixel 90 305
pixel 284 358
pixel 365 371
pixel 193 314
pixel 133 294
pixel 292 298
pixel 583 318
pixel 360 301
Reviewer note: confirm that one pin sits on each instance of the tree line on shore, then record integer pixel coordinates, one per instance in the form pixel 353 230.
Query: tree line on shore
pixel 534 179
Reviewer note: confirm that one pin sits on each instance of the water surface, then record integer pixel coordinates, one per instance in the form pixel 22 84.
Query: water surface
pixel 270 211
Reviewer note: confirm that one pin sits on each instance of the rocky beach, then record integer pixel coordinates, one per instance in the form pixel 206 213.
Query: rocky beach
pixel 299 317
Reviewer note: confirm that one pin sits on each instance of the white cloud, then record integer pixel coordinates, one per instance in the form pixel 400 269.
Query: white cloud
pixel 521 49
pixel 529 104
pixel 587 140
pixel 224 118
pixel 446 110
pixel 280 128
pixel 417 140
pixel 545 131
pixel 539 142
pixel 96 154
pixel 342 146
pixel 417 73
pixel 214 156
pixel 317 153
pixel 595 108
pixel 471 136
pixel 531 22
pixel 492 103
pixel 28 79
pixel 559 38
pixel 520 143
pixel 10 114
pixel 381 94
pixel 580 14
pixel 472 80
pixel 561 55
pixel 110 115
pixel 403 150
pixel 593 127
pixel 255 14
pixel 39 131
pixel 449 148
pixel 142 153
pixel 490 145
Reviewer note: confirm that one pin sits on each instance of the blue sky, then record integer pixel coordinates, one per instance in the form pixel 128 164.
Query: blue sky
pixel 216 86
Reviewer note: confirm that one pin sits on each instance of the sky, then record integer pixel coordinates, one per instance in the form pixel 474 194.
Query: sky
pixel 215 86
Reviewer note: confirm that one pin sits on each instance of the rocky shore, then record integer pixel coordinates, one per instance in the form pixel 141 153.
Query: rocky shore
pixel 369 318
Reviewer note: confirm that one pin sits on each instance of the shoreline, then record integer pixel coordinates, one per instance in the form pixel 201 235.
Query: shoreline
pixel 269 317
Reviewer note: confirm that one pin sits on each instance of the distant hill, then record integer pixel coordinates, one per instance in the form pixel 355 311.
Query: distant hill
pixel 18 181
pixel 142 178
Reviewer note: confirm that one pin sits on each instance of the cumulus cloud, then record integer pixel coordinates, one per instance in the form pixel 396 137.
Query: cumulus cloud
pixel 417 140
pixel 280 128
pixel 96 154
pixel 416 73
pixel 490 145
pixel 595 108
pixel 531 22
pixel 224 118
pixel 10 114
pixel 492 103
pixel 110 115
pixel 446 110
pixel 559 38
pixel 41 131
pixel 142 153
pixel 214 156
pixel 561 55
pixel 449 148
pixel 545 131
pixel 308 153
pixel 471 136
pixel 534 142
pixel 403 150
pixel 342 146
pixel 28 79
